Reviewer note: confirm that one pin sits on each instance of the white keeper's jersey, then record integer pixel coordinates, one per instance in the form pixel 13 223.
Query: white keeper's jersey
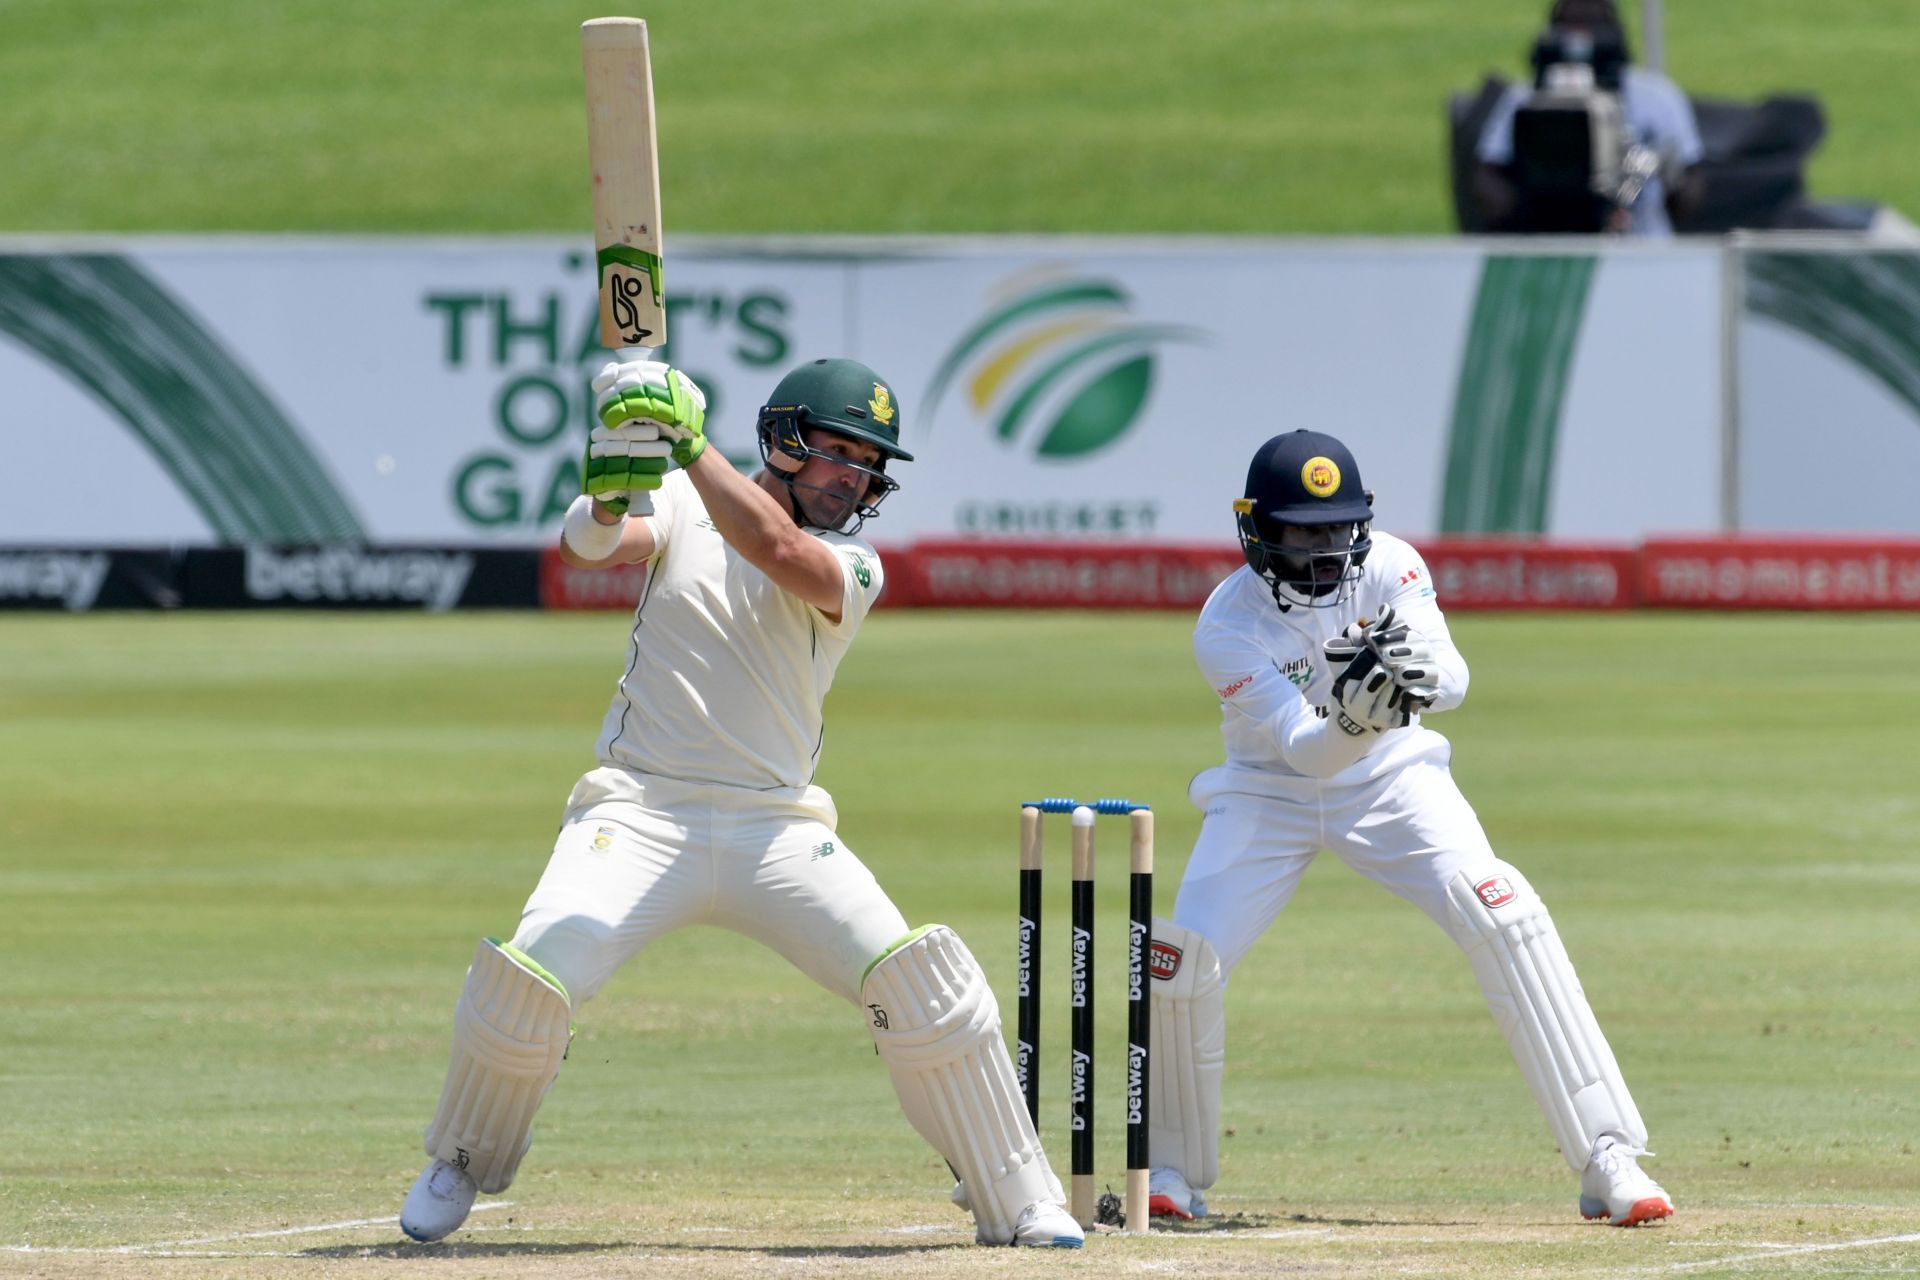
pixel 726 673
pixel 1268 669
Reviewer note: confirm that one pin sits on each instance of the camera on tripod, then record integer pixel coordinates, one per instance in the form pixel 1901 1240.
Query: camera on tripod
pixel 1575 164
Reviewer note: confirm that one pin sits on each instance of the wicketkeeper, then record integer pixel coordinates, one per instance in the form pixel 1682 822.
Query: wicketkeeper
pixel 702 809
pixel 1328 651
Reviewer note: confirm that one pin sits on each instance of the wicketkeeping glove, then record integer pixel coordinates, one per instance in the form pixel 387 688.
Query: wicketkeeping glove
pixel 1410 657
pixel 1364 704
pixel 1390 646
pixel 649 412
pixel 1414 676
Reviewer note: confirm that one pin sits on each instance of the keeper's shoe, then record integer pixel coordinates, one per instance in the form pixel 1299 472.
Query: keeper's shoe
pixel 441 1198
pixel 1616 1188
pixel 1170 1196
pixel 1045 1225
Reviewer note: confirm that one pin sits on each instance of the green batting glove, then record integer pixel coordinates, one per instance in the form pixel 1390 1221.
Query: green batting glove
pixel 608 479
pixel 648 412
pixel 648 393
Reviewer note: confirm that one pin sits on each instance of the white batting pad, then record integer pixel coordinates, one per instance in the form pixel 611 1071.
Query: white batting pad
pixel 1529 983
pixel 1189 1056
pixel 937 1026
pixel 510 1031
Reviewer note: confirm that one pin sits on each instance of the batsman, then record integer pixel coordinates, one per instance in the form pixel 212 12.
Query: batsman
pixel 703 809
pixel 1328 653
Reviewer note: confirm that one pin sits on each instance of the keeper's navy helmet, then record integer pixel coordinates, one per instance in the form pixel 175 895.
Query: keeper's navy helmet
pixel 1305 520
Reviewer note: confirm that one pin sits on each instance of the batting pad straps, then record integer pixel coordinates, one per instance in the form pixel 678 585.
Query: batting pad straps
pixel 1529 983
pixel 937 1027
pixel 510 1031
pixel 1189 1054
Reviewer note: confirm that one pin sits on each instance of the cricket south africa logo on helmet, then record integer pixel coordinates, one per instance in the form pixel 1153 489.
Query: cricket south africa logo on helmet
pixel 881 404
pixel 1057 367
pixel 1321 477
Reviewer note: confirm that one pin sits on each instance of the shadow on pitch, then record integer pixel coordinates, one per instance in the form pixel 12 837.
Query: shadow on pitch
pixel 1223 1223
pixel 821 1250
pixel 537 1249
pixel 454 1252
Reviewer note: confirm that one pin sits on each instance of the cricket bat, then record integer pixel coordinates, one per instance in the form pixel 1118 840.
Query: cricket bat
pixel 626 190
pixel 626 182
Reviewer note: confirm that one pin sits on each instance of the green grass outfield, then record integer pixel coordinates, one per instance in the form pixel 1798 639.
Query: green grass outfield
pixel 245 859
pixel 1279 116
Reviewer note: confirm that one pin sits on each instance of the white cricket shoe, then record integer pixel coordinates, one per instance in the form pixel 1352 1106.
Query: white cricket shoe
pixel 1046 1225
pixel 441 1198
pixel 1170 1196
pixel 1615 1187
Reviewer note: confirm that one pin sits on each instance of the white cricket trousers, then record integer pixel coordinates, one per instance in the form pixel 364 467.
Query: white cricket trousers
pixel 1409 831
pixel 639 855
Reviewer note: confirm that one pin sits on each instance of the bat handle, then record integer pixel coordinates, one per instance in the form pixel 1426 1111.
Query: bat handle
pixel 639 501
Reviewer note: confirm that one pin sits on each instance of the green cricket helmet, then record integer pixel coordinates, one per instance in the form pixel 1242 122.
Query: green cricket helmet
pixel 848 399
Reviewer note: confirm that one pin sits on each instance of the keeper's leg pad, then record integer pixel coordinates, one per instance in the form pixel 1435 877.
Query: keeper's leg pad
pixel 937 1027
pixel 1529 983
pixel 1189 1056
pixel 510 1031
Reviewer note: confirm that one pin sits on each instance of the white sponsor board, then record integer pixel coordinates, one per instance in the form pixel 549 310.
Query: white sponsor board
pixel 1829 390
pixel 435 392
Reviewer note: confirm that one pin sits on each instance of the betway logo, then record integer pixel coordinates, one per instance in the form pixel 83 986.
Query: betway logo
pixel 1023 974
pixel 71 577
pixel 344 574
pixel 1082 945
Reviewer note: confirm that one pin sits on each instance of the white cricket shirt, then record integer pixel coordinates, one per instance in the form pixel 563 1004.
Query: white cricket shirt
pixel 726 673
pixel 1271 676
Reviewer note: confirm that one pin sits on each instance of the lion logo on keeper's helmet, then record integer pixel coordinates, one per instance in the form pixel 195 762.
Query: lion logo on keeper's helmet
pixel 1321 476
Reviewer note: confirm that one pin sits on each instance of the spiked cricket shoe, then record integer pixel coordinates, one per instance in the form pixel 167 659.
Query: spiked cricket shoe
pixel 1615 1187
pixel 1170 1196
pixel 441 1198
pixel 1047 1226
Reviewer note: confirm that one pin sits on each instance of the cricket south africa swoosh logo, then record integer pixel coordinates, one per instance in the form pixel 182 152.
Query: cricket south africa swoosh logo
pixel 1059 367
pixel 119 334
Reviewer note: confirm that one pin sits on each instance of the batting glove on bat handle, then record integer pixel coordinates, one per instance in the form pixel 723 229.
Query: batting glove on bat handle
pixel 647 392
pixel 621 466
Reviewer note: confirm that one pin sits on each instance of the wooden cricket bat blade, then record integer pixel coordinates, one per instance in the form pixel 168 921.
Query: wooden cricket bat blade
pixel 626 181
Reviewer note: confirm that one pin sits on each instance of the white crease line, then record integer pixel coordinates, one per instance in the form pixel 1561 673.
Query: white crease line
pixel 245 1235
pixel 1782 1250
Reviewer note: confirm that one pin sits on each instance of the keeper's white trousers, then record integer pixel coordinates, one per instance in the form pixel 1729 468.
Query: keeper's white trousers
pixel 1409 831
pixel 639 856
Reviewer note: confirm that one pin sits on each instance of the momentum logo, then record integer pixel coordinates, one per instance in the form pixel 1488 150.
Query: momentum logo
pixel 1058 368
